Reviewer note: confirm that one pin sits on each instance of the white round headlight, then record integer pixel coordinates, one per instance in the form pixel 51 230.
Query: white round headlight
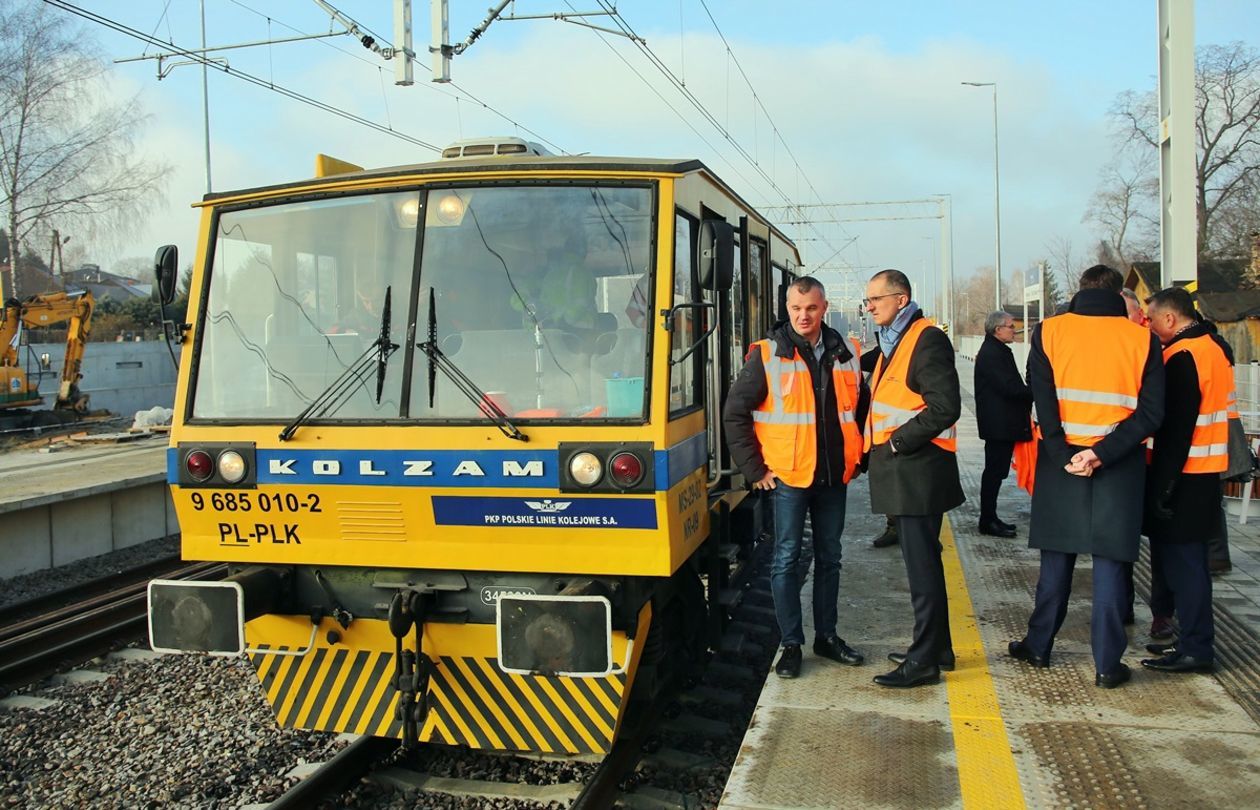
pixel 586 469
pixel 231 466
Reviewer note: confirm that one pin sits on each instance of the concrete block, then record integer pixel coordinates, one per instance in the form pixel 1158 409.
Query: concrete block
pixel 302 771
pixel 15 702
pixel 25 542
pixel 139 514
pixel 77 676
pixel 135 654
pixel 81 528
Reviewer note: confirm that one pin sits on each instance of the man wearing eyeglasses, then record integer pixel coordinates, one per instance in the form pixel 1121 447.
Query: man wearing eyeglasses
pixel 911 445
pixel 1003 404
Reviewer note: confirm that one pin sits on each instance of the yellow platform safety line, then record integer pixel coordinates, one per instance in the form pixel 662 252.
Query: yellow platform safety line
pixel 987 775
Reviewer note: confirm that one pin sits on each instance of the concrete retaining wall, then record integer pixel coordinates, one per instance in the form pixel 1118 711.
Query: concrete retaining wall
pixel 54 534
pixel 120 377
pixel 56 508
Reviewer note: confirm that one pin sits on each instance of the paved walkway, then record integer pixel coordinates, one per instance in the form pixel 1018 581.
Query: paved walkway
pixel 998 733
pixel 1238 590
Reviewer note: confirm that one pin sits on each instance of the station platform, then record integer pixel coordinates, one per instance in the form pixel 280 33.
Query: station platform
pixel 82 501
pixel 997 733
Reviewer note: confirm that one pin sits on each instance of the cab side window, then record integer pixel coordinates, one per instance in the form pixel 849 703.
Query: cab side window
pixel 685 377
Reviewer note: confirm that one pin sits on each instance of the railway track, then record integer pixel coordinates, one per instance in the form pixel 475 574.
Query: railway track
pixel 34 647
pixel 677 753
pixel 14 613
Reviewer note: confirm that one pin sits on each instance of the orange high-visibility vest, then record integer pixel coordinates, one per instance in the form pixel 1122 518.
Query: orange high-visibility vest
pixel 1209 444
pixel 785 422
pixel 893 404
pixel 1024 460
pixel 1097 364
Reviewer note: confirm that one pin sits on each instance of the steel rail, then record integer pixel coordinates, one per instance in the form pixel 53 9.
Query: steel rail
pixel 45 606
pixel 83 631
pixel 335 775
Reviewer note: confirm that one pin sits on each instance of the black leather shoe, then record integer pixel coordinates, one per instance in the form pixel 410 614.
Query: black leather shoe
pixel 910 674
pixel 946 663
pixel 1018 649
pixel 833 647
pixel 789 665
pixel 1111 680
pixel 888 538
pixel 995 528
pixel 1176 662
pixel 1004 524
pixel 1162 649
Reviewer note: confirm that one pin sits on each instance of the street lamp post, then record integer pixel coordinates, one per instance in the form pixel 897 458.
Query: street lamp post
pixel 997 194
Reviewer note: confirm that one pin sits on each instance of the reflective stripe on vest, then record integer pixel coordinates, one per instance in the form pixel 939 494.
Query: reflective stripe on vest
pixel 1097 364
pixel 893 404
pixel 1209 444
pixel 785 422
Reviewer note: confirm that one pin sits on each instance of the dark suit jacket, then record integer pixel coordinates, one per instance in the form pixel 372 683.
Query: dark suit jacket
pixel 1180 507
pixel 920 478
pixel 1003 401
pixel 1101 514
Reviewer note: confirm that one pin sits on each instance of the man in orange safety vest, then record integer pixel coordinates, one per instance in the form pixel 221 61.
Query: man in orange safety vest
pixel 791 422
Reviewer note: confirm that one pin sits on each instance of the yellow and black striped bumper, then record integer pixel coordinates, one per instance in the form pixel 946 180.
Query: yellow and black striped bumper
pixel 351 687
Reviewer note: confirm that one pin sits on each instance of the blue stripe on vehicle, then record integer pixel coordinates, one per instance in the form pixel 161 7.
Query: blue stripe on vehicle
pixel 681 460
pixel 521 469
pixel 549 513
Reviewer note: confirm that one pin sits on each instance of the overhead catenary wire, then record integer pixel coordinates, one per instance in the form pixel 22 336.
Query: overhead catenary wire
pixel 621 22
pixel 671 107
pixel 427 85
pixel 761 104
pixel 121 28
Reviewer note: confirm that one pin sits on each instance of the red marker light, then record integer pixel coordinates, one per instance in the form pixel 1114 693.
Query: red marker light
pixel 199 464
pixel 626 469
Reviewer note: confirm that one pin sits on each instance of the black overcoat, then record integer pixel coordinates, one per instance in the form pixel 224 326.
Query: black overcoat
pixel 921 478
pixel 1180 507
pixel 1101 514
pixel 1003 400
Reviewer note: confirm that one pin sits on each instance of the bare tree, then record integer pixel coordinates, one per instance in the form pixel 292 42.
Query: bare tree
pixel 1065 266
pixel 973 301
pixel 66 149
pixel 1125 205
pixel 1227 132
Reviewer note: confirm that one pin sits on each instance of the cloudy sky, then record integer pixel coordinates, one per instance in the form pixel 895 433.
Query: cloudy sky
pixel 866 98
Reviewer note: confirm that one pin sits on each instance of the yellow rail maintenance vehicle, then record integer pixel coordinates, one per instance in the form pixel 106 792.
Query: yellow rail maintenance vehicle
pixel 456 428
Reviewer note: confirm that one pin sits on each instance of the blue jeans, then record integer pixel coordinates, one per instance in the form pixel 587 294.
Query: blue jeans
pixel 826 514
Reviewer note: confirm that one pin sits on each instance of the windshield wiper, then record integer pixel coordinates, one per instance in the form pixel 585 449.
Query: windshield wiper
pixel 440 362
pixel 339 391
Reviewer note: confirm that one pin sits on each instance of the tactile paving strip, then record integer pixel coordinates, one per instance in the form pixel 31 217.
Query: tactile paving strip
pixel 1003 622
pixel 1151 700
pixel 1080 766
pixel 804 758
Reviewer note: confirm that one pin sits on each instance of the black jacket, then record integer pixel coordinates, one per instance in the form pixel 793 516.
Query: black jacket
pixel 1003 400
pixel 1180 507
pixel 920 478
pixel 1101 514
pixel 749 391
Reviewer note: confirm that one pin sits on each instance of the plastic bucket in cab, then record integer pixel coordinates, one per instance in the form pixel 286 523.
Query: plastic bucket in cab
pixel 625 396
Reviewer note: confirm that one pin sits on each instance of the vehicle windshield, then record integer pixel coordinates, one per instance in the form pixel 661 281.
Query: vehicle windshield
pixel 541 298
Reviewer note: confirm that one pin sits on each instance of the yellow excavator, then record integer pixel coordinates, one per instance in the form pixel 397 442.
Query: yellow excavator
pixel 35 312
